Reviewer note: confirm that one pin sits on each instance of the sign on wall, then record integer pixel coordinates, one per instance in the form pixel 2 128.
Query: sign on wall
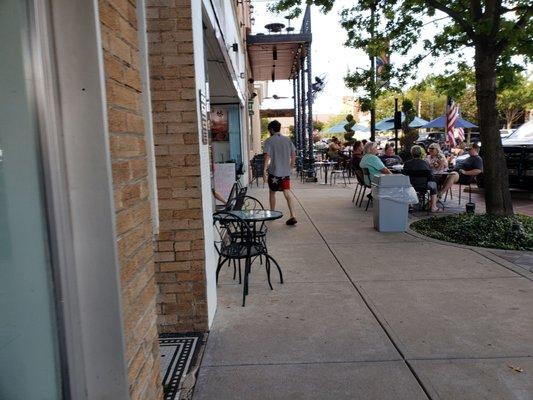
pixel 204 117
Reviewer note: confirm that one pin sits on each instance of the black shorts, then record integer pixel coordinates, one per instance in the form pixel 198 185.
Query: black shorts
pixel 465 179
pixel 279 184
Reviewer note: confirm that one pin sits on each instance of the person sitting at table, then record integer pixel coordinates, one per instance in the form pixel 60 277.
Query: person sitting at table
pixel 389 158
pixel 334 149
pixel 459 148
pixel 372 162
pixel 436 159
pixel 465 171
pixel 357 155
pixel 421 176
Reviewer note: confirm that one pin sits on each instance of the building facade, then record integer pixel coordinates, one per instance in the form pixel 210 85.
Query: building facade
pixel 107 165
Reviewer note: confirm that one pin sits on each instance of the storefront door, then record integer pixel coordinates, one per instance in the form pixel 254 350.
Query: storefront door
pixel 29 356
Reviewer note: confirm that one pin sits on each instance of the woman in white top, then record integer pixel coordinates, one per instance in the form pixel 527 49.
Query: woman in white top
pixel 436 159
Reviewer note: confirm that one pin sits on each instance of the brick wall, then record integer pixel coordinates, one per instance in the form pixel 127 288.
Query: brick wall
pixel 133 217
pixel 180 255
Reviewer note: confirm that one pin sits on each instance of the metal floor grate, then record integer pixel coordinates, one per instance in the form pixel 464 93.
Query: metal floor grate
pixel 177 352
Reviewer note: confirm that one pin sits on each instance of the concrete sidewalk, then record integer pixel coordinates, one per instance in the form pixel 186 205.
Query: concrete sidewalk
pixel 367 315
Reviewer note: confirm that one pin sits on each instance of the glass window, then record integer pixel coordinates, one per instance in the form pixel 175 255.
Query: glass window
pixel 28 334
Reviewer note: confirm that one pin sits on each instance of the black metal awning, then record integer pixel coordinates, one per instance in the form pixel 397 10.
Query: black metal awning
pixel 277 113
pixel 276 56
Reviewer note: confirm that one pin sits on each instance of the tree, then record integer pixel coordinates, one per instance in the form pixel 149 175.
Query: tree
pixel 318 125
pixel 410 135
pixel 496 30
pixel 514 100
pixel 264 129
pixel 459 85
pixel 348 127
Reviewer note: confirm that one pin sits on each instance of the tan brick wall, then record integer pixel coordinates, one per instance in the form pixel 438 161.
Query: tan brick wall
pixel 133 217
pixel 180 256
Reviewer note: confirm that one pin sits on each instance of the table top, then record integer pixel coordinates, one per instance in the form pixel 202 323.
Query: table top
pixel 325 162
pixel 257 215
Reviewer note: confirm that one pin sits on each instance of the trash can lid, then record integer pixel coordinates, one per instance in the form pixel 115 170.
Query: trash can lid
pixel 391 180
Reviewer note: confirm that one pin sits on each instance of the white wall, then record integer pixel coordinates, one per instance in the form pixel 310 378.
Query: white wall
pixel 207 202
pixel 221 16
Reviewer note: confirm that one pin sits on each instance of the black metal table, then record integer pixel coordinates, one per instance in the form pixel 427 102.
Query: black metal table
pixel 256 219
pixel 255 216
pixel 325 165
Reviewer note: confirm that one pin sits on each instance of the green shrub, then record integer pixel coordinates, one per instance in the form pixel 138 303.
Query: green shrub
pixel 484 230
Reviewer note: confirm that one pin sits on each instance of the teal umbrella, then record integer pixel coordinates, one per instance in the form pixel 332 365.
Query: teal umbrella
pixel 387 124
pixel 339 128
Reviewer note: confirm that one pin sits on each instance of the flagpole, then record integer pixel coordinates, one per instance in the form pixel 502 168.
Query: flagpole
pixel 447 111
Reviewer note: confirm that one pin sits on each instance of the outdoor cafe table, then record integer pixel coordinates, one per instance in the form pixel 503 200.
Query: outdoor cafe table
pixel 325 165
pixel 255 218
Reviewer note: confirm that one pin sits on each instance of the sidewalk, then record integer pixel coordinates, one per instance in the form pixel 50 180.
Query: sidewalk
pixel 367 315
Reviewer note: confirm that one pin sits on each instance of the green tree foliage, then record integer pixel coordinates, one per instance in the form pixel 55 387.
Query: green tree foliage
pixel 514 100
pixel 264 129
pixel 348 127
pixel 410 135
pixel 497 31
pixel 318 125
pixel 385 104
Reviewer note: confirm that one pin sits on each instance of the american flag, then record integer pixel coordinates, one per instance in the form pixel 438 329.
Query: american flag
pixel 460 131
pixel 451 117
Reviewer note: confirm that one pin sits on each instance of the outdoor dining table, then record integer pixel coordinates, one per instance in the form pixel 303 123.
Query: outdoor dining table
pixel 325 165
pixel 255 219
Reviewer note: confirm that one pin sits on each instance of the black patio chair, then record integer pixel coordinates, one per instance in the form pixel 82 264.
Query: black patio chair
pixel 257 166
pixel 235 240
pixel 366 173
pixel 359 186
pixel 419 181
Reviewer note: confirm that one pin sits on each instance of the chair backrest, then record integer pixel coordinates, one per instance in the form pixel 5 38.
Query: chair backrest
pixel 258 163
pixel 239 199
pixel 251 203
pixel 366 175
pixel 232 195
pixel 419 179
pixel 359 176
pixel 230 231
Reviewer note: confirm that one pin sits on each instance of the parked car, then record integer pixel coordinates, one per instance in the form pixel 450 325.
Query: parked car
pixel 505 133
pixel 518 148
pixel 475 137
pixel 425 140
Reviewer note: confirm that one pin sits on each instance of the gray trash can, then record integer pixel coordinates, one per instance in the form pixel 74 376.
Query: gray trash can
pixel 392 195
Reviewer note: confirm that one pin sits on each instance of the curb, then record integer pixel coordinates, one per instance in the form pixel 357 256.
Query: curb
pixel 482 251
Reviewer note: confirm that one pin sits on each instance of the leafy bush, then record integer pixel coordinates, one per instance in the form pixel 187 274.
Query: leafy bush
pixel 484 230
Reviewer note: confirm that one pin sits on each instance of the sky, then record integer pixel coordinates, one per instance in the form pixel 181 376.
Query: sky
pixel 329 56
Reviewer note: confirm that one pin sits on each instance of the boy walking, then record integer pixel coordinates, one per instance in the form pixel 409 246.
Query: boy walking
pixel 280 155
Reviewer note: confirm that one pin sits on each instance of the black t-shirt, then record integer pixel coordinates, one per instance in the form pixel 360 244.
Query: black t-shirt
pixel 419 172
pixel 389 161
pixel 472 162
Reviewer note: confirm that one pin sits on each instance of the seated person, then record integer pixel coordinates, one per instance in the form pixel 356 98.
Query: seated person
pixel 389 158
pixel 465 171
pixel 459 148
pixel 421 176
pixel 334 149
pixel 357 155
pixel 436 159
pixel 372 162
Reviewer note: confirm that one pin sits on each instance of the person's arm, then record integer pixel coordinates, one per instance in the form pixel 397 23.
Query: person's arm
pixel 474 165
pixel 472 172
pixel 293 159
pixel 219 197
pixel 378 164
pixel 265 167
